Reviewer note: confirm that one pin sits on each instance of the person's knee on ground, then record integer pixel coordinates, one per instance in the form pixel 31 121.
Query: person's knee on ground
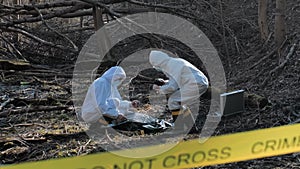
pixel 184 118
pixel 175 114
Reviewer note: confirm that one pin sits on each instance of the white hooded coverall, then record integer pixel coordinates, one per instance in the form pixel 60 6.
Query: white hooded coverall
pixel 103 97
pixel 186 82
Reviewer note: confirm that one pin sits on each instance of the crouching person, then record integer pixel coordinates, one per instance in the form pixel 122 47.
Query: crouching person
pixel 186 84
pixel 103 99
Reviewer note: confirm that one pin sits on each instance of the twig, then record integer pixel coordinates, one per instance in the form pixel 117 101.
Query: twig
pixel 296 114
pixel 179 11
pixel 276 69
pixel 5 103
pixel 25 33
pixel 269 55
pixel 29 7
pixel 82 148
pixel 59 34
pixel 291 52
pixel 263 59
pixel 42 74
pixel 38 18
pixel 104 6
pixel 268 39
pixel 24 125
pixel 223 32
pixel 296 121
pixel 154 36
pixel 14 48
pixel 35 109
pixel 29 124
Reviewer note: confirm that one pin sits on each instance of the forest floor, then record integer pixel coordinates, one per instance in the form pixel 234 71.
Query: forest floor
pixel 38 121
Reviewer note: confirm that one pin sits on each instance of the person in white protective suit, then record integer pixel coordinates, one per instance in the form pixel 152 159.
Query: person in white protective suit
pixel 103 98
pixel 186 82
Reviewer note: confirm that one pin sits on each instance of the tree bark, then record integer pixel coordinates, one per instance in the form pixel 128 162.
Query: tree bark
pixel 262 19
pixel 98 19
pixel 280 22
pixel 16 17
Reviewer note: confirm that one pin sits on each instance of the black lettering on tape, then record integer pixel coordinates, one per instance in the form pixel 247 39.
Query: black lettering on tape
pixel 279 144
pixel 117 167
pixel 169 162
pixel 150 162
pixel 286 143
pixel 212 155
pixel 225 153
pixel 273 145
pixel 136 165
pixel 198 157
pixel 270 144
pixel 257 148
pixel 183 158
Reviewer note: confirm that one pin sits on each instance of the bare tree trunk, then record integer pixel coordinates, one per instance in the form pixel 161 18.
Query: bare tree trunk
pixel 262 19
pixel 98 19
pixel 280 22
pixel 17 17
pixel 99 23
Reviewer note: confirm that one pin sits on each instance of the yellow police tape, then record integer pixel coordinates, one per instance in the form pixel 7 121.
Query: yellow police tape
pixel 216 150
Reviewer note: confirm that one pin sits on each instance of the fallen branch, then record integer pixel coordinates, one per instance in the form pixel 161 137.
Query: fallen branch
pixel 59 34
pixel 263 59
pixel 35 102
pixel 102 5
pixel 48 16
pixel 46 74
pixel 53 83
pixel 34 109
pixel 282 65
pixel 5 103
pixel 14 48
pixel 82 148
pixel 31 36
pixel 28 7
pixel 23 125
pixel 291 52
pixel 181 11
pixel 13 139
pixel 296 121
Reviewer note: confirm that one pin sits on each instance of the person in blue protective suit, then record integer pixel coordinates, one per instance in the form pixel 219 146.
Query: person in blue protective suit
pixel 103 98
pixel 186 82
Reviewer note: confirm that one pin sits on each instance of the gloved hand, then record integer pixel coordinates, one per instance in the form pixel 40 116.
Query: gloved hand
pixel 156 87
pixel 159 81
pixel 135 103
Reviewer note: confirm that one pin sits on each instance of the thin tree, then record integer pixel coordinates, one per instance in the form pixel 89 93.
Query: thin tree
pixel 280 22
pixel 262 19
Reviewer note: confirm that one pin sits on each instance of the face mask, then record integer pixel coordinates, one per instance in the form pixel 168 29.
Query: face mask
pixel 117 82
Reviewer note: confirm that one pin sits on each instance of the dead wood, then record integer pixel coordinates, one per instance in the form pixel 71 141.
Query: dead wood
pixel 34 109
pixel 276 70
pixel 58 33
pixel 263 59
pixel 14 65
pixel 33 37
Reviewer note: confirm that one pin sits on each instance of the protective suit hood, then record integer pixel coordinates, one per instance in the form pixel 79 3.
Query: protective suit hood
pixel 184 78
pixel 158 59
pixel 103 96
pixel 114 74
